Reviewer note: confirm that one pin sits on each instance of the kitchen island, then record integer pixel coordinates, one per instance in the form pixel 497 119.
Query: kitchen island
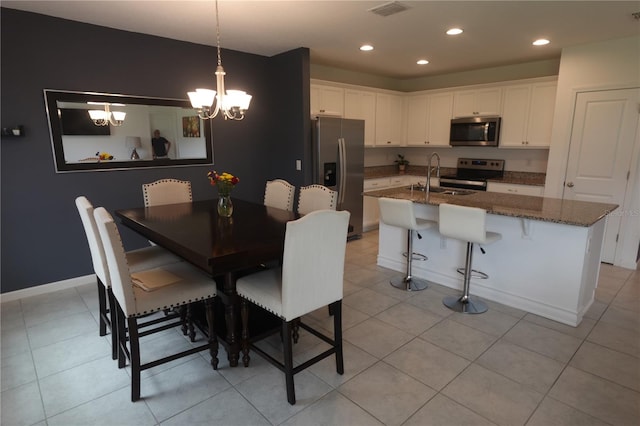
pixel 546 263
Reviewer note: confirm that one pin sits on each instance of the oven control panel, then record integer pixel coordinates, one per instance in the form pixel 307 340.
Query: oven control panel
pixel 480 164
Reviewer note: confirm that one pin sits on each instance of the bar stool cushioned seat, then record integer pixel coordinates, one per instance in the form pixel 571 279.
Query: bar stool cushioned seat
pixel 400 213
pixel 466 224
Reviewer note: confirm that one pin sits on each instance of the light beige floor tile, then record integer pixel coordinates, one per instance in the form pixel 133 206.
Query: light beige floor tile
pixel 17 370
pixel 612 365
pixel 491 322
pixel 514 312
pixel 552 412
pixel 362 276
pixel 432 302
pixel 624 302
pixel 268 394
pixel 464 341
pixel 225 408
pixel 14 341
pixel 428 363
pixel 355 361
pixel 622 318
pixel 493 396
pixel 100 411
pixel 542 340
pixel 597 397
pixel 50 332
pixel 616 338
pixel 388 394
pixel 580 332
pixel 605 295
pixel 596 310
pixel 384 287
pixel 21 405
pixel 610 283
pixel 52 306
pixel 409 318
pixel 521 365
pixel 333 409
pixel 615 271
pixel 61 356
pixel 376 337
pixel 442 411
pixel 369 301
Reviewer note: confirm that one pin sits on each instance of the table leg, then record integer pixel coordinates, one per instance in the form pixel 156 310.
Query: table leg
pixel 230 318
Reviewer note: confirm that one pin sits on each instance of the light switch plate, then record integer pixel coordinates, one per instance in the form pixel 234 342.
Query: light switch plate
pixel 298 164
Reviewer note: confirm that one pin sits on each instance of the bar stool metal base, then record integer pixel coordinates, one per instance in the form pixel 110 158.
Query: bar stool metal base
pixel 471 305
pixel 410 284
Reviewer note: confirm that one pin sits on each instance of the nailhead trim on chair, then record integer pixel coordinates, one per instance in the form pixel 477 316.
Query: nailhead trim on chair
pixel 173 305
pixel 263 307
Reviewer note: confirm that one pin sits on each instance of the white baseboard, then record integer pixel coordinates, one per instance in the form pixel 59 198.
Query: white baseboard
pixel 47 288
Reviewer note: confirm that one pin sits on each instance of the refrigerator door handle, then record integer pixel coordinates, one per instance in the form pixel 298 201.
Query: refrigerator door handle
pixel 342 156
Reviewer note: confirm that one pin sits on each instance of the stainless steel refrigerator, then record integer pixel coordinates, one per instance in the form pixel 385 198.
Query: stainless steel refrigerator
pixel 338 163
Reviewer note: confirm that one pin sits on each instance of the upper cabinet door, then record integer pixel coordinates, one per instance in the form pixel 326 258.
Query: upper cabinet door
pixel 417 116
pixel 469 103
pixel 326 100
pixel 428 119
pixel 389 115
pixel 361 105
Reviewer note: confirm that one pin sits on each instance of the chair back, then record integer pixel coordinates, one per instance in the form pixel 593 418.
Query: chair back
pixel 316 197
pixel 463 223
pixel 166 191
pixel 85 208
pixel 397 213
pixel 278 193
pixel 313 261
pixel 119 273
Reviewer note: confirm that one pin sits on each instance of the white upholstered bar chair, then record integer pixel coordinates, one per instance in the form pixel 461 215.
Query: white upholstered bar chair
pixel 138 260
pixel 166 191
pixel 279 193
pixel 466 224
pixel 400 213
pixel 171 285
pixel 311 277
pixel 316 197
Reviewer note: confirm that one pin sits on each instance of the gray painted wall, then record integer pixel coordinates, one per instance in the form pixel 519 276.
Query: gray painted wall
pixel 42 236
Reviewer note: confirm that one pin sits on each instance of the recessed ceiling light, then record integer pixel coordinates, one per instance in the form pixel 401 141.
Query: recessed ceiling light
pixel 422 62
pixel 541 42
pixel 366 47
pixel 454 31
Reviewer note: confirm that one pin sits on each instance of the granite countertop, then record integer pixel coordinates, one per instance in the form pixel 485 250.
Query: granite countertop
pixel 569 212
pixel 519 178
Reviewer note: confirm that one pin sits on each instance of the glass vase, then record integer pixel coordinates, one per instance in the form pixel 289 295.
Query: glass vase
pixel 225 205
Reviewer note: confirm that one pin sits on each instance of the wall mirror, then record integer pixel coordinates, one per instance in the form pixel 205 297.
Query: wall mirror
pixel 99 131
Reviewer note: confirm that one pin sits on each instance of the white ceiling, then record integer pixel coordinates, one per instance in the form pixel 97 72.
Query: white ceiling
pixel 496 32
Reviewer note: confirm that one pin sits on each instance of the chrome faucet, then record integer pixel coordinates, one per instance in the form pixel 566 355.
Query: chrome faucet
pixel 429 171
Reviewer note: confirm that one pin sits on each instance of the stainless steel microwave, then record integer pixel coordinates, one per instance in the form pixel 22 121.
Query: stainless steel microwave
pixel 475 131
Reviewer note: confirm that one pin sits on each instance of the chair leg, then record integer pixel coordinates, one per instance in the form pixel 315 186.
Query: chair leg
pixel 102 307
pixel 295 330
pixel 190 327
pixel 244 314
pixel 213 339
pixel 336 308
pixel 466 304
pixel 121 337
pixel 288 361
pixel 134 343
pixel 113 312
pixel 183 318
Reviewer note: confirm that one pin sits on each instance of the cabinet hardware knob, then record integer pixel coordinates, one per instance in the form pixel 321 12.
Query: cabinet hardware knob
pixel 570 184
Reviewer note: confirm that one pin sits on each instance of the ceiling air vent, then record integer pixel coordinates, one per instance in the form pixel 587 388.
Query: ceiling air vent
pixel 388 9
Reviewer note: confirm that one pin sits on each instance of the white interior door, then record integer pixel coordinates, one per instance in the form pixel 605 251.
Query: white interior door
pixel 600 155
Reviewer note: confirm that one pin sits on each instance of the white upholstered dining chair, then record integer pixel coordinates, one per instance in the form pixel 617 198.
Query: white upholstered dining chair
pixel 311 276
pixel 279 193
pixel 138 260
pixel 166 287
pixel 166 191
pixel 316 197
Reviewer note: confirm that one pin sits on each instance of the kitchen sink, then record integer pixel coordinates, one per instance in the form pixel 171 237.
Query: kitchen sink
pixel 441 190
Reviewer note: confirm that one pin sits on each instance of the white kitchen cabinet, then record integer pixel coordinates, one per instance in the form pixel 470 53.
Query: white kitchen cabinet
pixel 389 114
pixel 361 105
pixel 326 100
pixel 469 103
pixel 527 115
pixel 511 188
pixel 428 119
pixel 370 210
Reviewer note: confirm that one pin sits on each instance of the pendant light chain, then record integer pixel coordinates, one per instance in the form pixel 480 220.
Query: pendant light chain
pixel 218 34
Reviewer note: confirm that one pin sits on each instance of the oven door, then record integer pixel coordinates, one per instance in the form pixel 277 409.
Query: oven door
pixel 476 185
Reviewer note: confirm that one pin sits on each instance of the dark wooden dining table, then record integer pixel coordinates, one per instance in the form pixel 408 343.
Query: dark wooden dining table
pixel 222 247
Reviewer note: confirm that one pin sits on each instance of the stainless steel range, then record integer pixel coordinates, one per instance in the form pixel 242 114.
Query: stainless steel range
pixel 473 174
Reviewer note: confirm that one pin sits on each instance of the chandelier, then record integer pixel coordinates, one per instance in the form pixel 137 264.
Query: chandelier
pixel 106 116
pixel 232 103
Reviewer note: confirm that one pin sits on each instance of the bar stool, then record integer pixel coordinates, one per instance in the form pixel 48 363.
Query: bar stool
pixel 400 213
pixel 466 224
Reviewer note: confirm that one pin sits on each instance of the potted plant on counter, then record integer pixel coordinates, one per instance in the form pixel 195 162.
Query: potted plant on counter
pixel 402 163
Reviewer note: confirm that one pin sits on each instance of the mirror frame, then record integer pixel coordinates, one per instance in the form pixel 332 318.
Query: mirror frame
pixel 52 97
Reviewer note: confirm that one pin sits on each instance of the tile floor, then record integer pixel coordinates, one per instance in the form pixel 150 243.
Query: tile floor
pixel 408 361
